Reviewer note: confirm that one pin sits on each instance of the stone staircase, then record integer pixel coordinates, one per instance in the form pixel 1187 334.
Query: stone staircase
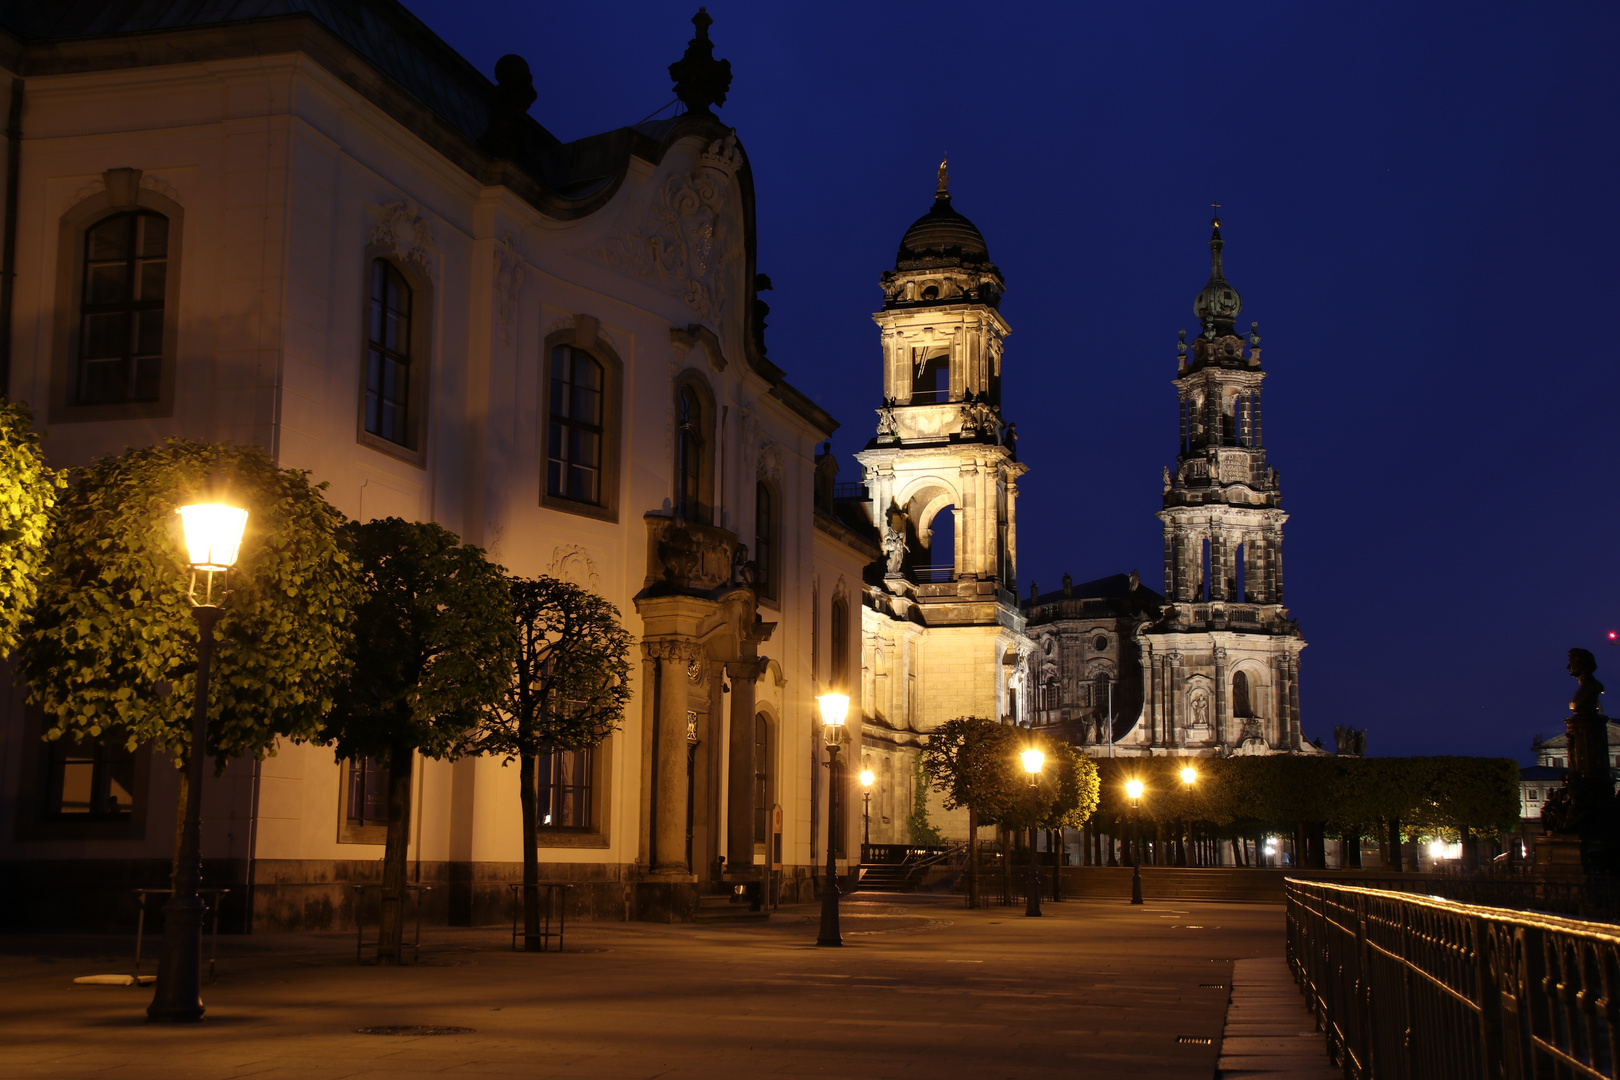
pixel 727 908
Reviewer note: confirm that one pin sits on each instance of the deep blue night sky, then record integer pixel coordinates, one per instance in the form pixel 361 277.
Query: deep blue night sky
pixel 1420 207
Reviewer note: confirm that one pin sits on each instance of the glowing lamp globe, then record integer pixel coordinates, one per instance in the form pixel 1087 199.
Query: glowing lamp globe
pixel 213 535
pixel 1033 760
pixel 867 778
pixel 1188 775
pixel 1133 788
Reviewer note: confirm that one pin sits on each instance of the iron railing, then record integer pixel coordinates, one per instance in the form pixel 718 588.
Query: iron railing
pixel 1409 987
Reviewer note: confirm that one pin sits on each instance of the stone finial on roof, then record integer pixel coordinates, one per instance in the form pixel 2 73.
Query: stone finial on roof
pixel 701 81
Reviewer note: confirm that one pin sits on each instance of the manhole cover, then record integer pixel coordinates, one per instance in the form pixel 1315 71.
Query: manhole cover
pixel 414 1029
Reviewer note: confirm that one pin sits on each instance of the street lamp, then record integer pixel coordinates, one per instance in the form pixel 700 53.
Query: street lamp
pixel 1188 775
pixel 1133 788
pixel 866 812
pixel 1033 760
pixel 213 534
pixel 834 707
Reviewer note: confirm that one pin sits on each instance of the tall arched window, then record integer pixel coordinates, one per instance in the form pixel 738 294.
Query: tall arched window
pixel 574 435
pixel 388 355
pixel 838 643
pixel 765 556
pixel 125 287
pixel 1240 696
pixel 689 454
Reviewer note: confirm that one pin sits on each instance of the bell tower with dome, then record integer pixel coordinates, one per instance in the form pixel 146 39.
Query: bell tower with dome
pixel 1221 665
pixel 941 486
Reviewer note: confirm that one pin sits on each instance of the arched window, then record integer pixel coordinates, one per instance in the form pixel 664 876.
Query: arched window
pixel 838 643
pixel 1240 696
pixel 762 779
pixel 689 454
pixel 388 355
pixel 121 309
pixel 574 439
pixel 765 555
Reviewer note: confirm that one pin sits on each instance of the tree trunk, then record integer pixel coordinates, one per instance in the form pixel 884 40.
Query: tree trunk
pixel 531 855
pixel 1470 850
pixel 1392 846
pixel 1004 841
pixel 973 858
pixel 1113 853
pixel 391 921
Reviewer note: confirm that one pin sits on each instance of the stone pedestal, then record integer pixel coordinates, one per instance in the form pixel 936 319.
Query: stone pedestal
pixel 1558 858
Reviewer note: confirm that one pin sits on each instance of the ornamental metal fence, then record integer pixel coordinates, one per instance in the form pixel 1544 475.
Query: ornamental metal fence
pixel 1409 987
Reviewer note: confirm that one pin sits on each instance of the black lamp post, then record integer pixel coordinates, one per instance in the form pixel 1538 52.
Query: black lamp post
pixel 866 812
pixel 834 707
pixel 1188 775
pixel 1133 788
pixel 1033 760
pixel 213 534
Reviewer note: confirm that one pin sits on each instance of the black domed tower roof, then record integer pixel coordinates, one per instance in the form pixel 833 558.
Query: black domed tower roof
pixel 941 236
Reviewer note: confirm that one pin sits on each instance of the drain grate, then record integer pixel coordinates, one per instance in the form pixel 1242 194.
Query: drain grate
pixel 414 1029
pixel 1195 1040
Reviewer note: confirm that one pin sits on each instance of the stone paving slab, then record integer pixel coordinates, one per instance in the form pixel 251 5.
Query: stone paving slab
pixel 926 988
pixel 1269 1032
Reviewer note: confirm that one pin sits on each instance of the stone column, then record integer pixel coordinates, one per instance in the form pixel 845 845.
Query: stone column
pixel 1217 722
pixel 1217 563
pixel 669 839
pixel 1294 735
pixel 741 773
pixel 1170 565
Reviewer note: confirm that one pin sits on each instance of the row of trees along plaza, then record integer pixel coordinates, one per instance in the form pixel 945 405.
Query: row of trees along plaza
pixel 383 639
pixel 1196 811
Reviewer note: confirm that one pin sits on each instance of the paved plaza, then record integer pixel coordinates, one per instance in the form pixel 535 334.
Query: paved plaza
pixel 923 987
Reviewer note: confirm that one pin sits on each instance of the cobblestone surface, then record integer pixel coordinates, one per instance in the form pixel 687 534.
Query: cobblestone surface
pixel 923 987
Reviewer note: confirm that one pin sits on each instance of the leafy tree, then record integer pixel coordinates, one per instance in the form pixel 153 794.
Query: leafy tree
pixel 112 649
pixel 28 491
pixel 433 654
pixel 966 760
pixel 569 688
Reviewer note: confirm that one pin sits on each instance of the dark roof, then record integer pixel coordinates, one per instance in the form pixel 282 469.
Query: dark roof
pixel 942 233
pixel 394 41
pixel 1104 588
pixel 1542 772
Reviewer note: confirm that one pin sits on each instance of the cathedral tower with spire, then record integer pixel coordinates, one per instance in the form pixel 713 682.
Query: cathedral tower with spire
pixel 942 631
pixel 1221 664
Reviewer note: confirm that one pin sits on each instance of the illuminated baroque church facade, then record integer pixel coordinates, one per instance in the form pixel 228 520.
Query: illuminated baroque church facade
pixel 577 381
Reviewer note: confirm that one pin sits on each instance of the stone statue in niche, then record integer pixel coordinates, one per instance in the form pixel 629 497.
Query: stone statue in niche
pixel 894 541
pixel 1200 709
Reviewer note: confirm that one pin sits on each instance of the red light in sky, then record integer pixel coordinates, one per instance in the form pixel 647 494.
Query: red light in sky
pixel 1611 635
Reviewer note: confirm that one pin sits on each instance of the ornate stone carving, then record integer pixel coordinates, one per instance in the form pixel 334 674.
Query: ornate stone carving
pixel 680 240
pixel 572 563
pixel 160 186
pixel 688 558
pixel 887 424
pixel 770 462
pixel 407 235
pixel 508 283
pixel 676 650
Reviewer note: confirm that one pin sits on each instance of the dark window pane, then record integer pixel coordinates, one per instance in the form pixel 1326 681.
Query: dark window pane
pixel 122 293
pixel 154 275
pixel 107 283
pixel 108 240
pixel 388 360
pixel 154 236
pixel 106 336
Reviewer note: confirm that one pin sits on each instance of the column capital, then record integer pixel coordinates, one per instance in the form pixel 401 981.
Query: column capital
pixel 747 670
pixel 680 649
